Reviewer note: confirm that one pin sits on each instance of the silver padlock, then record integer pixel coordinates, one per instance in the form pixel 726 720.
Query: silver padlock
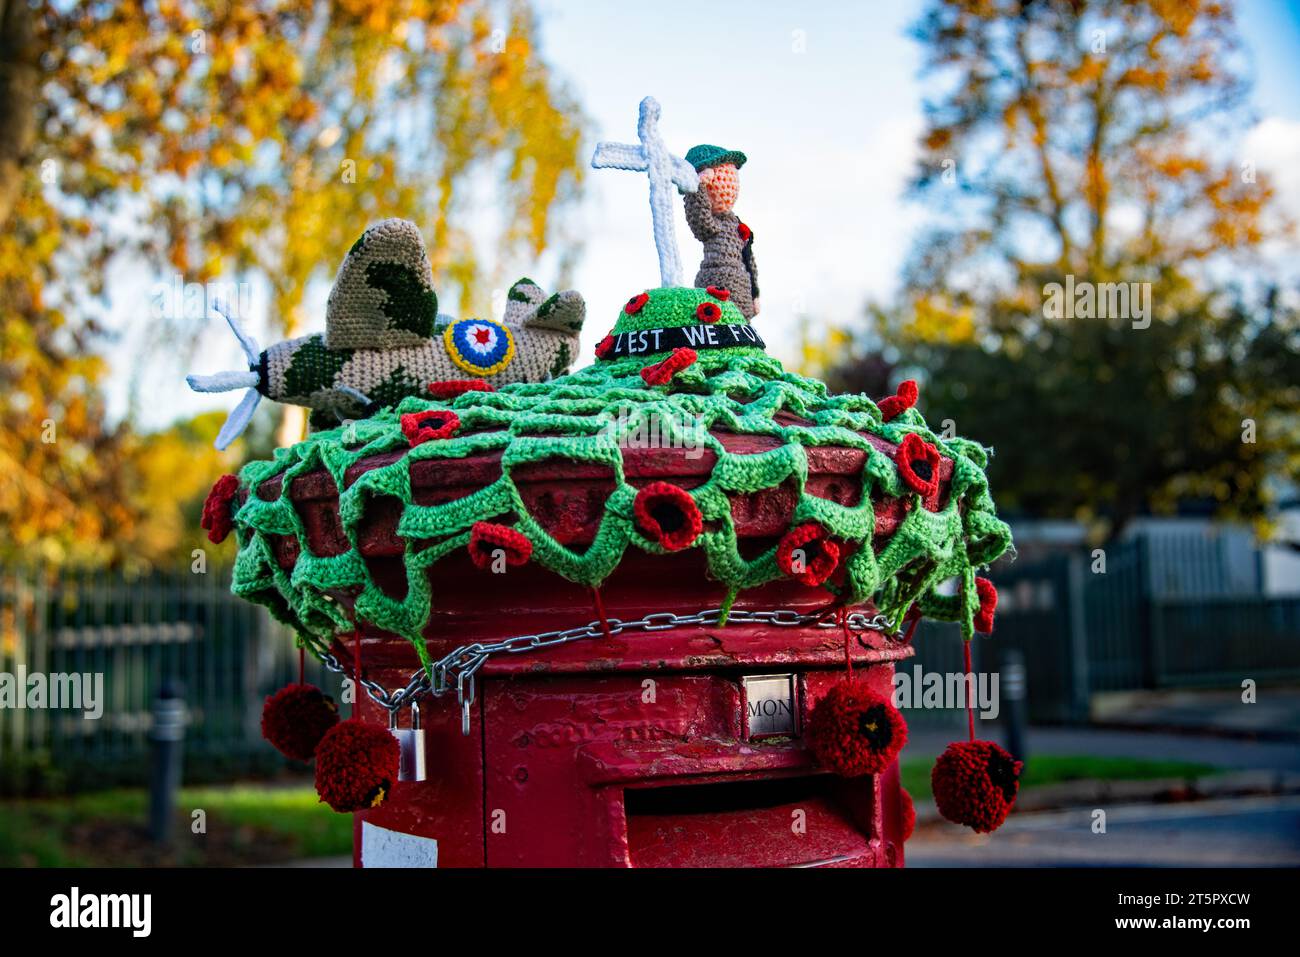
pixel 465 692
pixel 411 742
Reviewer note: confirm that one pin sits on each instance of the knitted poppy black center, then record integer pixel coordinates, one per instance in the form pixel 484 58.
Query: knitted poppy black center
pixel 432 422
pixel 922 469
pixel 1002 772
pixel 668 515
pixel 873 724
pixel 812 551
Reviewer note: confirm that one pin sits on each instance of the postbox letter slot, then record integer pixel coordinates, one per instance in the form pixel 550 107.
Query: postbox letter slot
pixel 762 822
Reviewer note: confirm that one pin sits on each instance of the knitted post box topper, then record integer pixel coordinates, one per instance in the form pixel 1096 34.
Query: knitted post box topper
pixel 685 360
pixel 385 340
pixel 594 414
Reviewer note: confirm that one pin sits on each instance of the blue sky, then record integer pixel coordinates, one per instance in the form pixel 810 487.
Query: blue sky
pixel 825 100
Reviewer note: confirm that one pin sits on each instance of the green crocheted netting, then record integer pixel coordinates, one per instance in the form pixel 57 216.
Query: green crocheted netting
pixel 590 416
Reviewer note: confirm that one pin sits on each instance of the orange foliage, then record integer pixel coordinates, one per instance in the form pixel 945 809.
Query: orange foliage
pixel 1089 104
pixel 215 139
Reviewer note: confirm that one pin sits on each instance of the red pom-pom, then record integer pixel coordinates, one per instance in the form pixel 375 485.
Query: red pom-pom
pixel 807 554
pixel 296 717
pixel 717 292
pixel 918 463
pixel 988 596
pixel 635 304
pixel 604 347
pixel 708 312
pixel 905 398
pixel 667 514
pixel 356 765
pixel 855 731
pixel 485 538
pixel 909 814
pixel 448 389
pixel 661 373
pixel 216 509
pixel 421 427
pixel 975 784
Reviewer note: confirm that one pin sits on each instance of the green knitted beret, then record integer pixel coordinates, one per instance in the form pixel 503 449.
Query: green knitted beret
pixel 706 155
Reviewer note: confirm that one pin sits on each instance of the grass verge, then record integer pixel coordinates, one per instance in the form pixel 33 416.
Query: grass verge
pixel 239 825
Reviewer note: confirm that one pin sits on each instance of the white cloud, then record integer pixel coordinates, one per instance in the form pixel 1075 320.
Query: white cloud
pixel 1273 145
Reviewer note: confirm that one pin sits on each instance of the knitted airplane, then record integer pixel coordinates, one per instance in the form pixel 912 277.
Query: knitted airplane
pixel 385 339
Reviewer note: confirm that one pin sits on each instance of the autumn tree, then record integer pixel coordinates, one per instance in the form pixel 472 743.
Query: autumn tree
pixel 236 141
pixel 1074 145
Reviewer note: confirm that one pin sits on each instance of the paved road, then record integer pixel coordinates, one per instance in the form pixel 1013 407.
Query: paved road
pixel 1242 832
pixel 1274 714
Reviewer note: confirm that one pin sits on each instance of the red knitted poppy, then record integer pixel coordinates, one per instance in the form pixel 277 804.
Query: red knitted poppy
pixel 918 464
pixel 217 518
pixel 820 554
pixel 448 389
pixel 746 234
pixel 661 373
pixel 988 596
pixel 717 292
pixel 419 427
pixel 356 765
pixel 604 346
pixel 486 537
pixel 855 731
pixel 296 717
pixel 667 513
pixel 635 304
pixel 975 784
pixel 708 312
pixel 905 398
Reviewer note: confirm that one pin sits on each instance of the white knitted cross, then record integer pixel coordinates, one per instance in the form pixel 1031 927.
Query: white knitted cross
pixel 665 170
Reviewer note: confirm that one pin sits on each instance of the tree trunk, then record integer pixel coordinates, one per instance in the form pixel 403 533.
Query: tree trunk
pixel 19 80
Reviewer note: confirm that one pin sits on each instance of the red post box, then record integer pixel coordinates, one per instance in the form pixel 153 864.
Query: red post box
pixel 670 741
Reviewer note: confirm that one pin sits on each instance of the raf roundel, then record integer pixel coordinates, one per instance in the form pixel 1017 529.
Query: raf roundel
pixel 479 345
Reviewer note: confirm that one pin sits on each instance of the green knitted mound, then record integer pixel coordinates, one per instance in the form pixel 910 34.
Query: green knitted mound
pixel 588 416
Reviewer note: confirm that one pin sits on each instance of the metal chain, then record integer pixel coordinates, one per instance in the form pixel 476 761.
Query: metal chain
pixel 458 668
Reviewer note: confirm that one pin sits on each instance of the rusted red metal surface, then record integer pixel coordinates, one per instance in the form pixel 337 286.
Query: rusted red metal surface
pixel 631 750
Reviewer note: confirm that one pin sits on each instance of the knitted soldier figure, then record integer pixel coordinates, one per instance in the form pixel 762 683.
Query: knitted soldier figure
pixel 728 243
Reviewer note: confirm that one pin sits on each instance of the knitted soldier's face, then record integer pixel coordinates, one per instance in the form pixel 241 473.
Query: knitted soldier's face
pixel 724 187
